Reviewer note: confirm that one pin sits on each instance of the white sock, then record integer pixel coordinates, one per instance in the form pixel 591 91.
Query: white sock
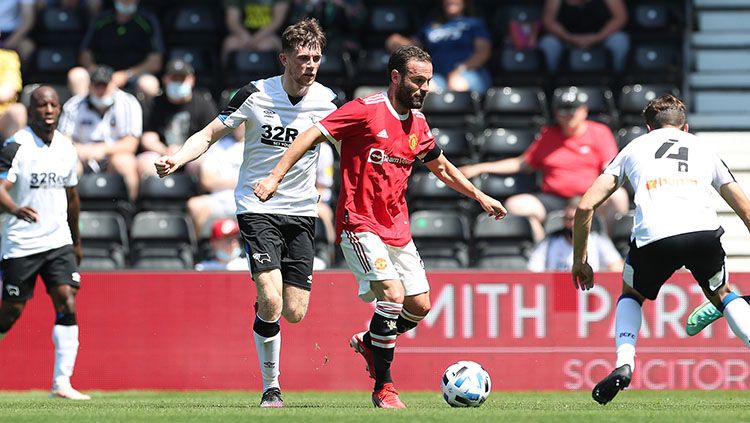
pixel 737 314
pixel 627 324
pixel 65 339
pixel 268 350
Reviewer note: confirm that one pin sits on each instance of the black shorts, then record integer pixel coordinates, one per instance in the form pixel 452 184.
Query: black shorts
pixel 56 267
pixel 648 267
pixel 276 241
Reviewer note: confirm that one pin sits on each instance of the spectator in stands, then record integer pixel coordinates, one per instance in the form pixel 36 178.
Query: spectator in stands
pixel 78 81
pixel 181 110
pixel 12 113
pixel 460 46
pixel 584 24
pixel 569 154
pixel 16 22
pixel 225 246
pixel 128 40
pixel 253 25
pixel 342 21
pixel 105 126
pixel 555 252
pixel 219 171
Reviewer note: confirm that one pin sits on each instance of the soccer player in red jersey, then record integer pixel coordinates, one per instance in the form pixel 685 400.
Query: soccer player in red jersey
pixel 379 138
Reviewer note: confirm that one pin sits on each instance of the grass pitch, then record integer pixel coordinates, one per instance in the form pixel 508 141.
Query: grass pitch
pixel 215 406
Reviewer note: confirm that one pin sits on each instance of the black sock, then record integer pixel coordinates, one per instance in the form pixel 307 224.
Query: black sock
pixel 382 337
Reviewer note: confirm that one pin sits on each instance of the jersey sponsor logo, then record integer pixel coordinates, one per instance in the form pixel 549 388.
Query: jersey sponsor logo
pixel 262 257
pixel 413 141
pixel 674 182
pixel 13 290
pixel 278 136
pixel 382 134
pixel 380 263
pixel 269 113
pixel 47 180
pixel 378 156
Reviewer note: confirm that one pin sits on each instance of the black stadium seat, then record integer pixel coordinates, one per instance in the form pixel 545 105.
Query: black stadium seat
pixel 51 64
pixel 426 191
pixel 599 100
pixel 633 98
pixel 169 193
pixel 514 66
pixel 162 240
pixel 629 133
pixel 502 143
pixel 502 244
pixel 442 238
pixel 385 20
pixel 372 67
pixel 245 66
pixel 504 186
pixel 455 143
pixel 105 192
pixel 452 109
pixel 104 240
pixel 515 107
pixel 58 26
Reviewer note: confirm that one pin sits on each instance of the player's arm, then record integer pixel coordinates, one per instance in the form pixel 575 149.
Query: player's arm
pixel 733 194
pixel 448 173
pixel 602 188
pixel 74 210
pixel 304 142
pixel 193 148
pixel 8 205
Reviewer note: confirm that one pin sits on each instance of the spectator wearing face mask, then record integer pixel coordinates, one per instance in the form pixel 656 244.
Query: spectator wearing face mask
pixel 225 246
pixel 181 110
pixel 105 126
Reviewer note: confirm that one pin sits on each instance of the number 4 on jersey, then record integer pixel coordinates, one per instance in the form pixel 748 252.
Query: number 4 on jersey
pixel 681 155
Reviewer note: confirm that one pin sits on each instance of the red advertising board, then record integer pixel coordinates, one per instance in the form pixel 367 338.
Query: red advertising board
pixel 530 331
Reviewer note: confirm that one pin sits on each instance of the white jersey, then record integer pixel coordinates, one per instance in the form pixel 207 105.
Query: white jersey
pixel 84 124
pixel 272 122
pixel 672 173
pixel 39 173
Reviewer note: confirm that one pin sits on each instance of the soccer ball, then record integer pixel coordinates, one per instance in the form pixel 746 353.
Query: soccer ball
pixel 465 384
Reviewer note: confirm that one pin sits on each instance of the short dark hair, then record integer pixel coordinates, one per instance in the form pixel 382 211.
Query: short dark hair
pixel 401 57
pixel 306 32
pixel 665 110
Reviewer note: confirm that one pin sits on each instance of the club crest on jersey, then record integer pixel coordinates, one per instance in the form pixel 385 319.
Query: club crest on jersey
pixel 262 257
pixel 413 141
pixel 380 263
pixel 376 156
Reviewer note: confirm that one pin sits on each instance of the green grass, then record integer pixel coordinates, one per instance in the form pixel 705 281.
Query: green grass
pixel 157 406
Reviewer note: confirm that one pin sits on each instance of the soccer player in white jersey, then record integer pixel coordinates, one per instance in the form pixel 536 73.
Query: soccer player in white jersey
pixel 37 186
pixel 380 137
pixel 279 234
pixel 672 173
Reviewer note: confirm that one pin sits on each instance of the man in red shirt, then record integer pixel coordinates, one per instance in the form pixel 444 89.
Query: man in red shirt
pixel 570 155
pixel 379 138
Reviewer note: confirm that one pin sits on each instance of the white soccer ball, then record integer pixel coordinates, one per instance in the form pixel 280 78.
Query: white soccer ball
pixel 465 384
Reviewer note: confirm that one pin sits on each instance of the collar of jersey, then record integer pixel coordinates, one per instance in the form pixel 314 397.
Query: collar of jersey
pixel 393 111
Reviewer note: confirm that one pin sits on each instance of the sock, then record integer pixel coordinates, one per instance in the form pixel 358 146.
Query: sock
pixel 383 339
pixel 268 346
pixel 407 321
pixel 737 314
pixel 627 325
pixel 65 339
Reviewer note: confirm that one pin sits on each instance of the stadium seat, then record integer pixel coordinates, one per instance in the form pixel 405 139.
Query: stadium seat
pixel 655 20
pixel 515 107
pixel 105 192
pixel 104 240
pixel 620 230
pixel 586 67
pixel 426 191
pixel 162 240
pixel 633 98
pixel 51 64
pixel 385 20
pixel 372 67
pixel 442 238
pixel 651 16
pixel 169 193
pixel 599 100
pixel 655 62
pixel 455 143
pixel 58 26
pixel 451 109
pixel 335 69
pixel 200 59
pixel 501 244
pixel 518 67
pixel 193 24
pixel 555 222
pixel 246 66
pixel 502 143
pixel 504 186
pixel 629 133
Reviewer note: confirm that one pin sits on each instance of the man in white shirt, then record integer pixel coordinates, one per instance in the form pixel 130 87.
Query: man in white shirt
pixel 672 173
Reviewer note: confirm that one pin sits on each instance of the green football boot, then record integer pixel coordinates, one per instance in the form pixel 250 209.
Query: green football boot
pixel 702 316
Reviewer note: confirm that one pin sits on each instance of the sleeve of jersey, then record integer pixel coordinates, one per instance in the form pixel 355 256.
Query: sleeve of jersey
pixel 345 122
pixel 428 148
pixel 239 106
pixel 616 168
pixel 721 175
pixel 7 156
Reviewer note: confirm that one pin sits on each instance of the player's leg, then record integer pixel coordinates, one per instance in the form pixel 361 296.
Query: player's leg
pixel 60 275
pixel 263 240
pixel 23 271
pixel 416 288
pixel 297 265
pixel 10 311
pixel 704 315
pixel 368 258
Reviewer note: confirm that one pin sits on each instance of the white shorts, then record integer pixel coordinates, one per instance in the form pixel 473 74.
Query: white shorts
pixel 370 259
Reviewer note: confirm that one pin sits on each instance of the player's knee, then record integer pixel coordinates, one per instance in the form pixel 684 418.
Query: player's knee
pixel 294 314
pixel 270 306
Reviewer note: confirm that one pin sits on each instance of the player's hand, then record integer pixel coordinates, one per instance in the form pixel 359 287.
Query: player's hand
pixel 266 188
pixel 165 166
pixel 493 207
pixel 26 213
pixel 78 251
pixel 583 276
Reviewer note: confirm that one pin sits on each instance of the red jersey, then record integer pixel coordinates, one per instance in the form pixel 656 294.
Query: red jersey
pixel 378 148
pixel 570 165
